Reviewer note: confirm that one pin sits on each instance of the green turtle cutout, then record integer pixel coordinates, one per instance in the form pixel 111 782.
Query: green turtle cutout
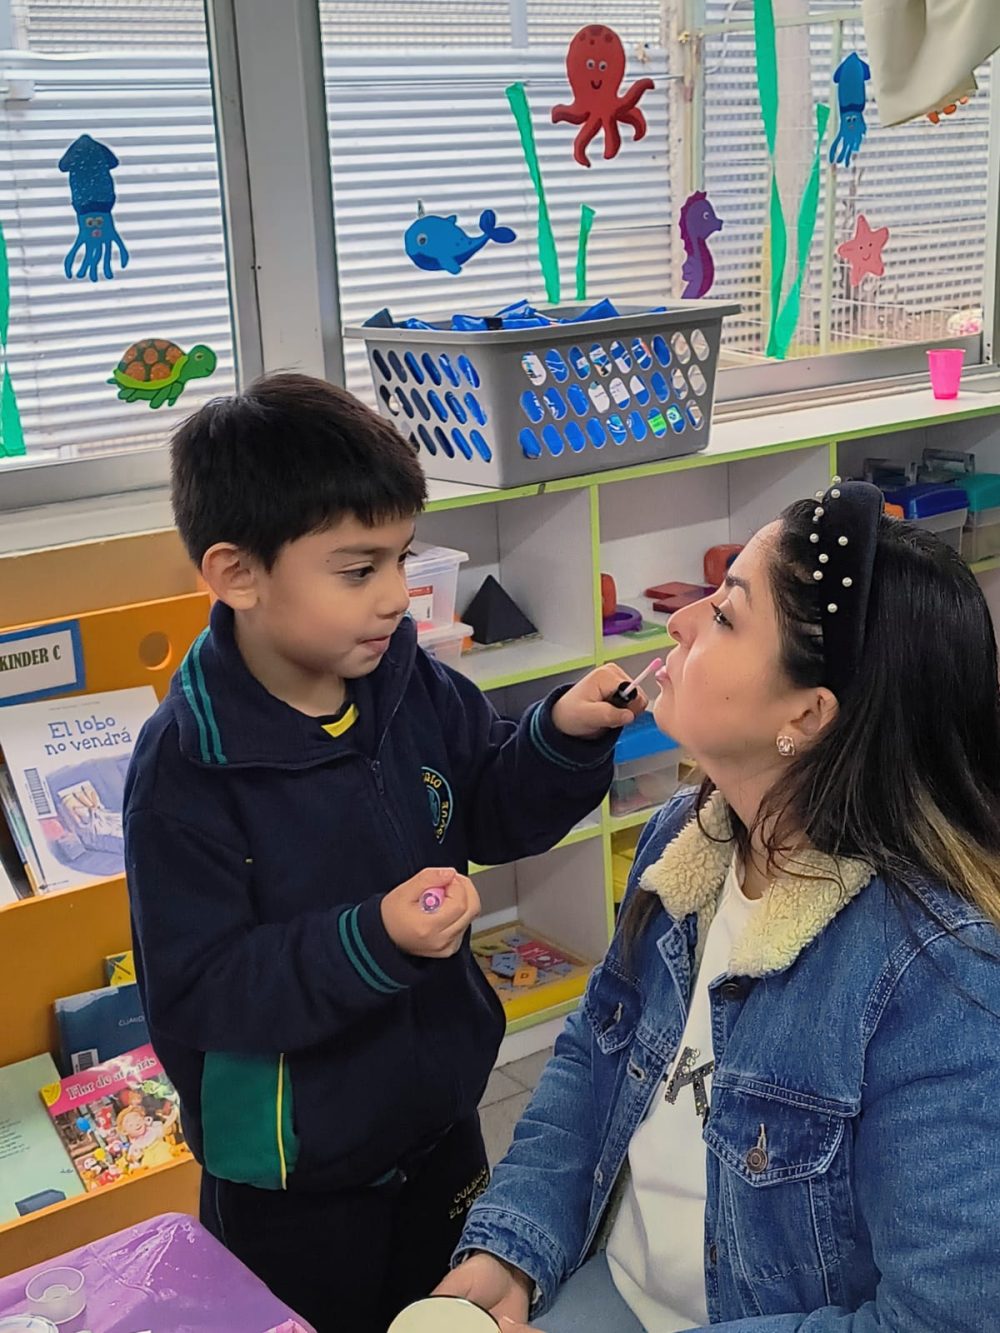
pixel 157 371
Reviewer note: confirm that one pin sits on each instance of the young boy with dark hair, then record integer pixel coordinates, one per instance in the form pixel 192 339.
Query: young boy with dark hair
pixel 330 1037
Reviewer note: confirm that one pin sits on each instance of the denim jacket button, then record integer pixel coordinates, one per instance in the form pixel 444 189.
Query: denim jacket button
pixel 733 990
pixel 599 1176
pixel 756 1160
pixel 713 1254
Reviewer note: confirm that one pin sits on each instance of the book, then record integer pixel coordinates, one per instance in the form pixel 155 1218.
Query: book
pixel 119 968
pixel 16 826
pixel 8 890
pixel 99 1024
pixel 117 1119
pixel 34 1169
pixel 67 760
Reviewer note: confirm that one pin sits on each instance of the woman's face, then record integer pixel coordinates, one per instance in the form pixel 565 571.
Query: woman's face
pixel 723 694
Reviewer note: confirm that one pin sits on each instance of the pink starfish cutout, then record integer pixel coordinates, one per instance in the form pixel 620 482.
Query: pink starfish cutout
pixel 864 250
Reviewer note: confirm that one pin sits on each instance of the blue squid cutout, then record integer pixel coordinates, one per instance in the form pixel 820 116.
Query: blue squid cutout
pixel 439 244
pixel 89 165
pixel 850 77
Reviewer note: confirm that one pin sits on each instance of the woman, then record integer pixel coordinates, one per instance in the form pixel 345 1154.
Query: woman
pixel 778 1107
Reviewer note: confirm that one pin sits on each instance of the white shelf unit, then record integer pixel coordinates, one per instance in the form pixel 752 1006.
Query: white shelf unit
pixel 646 525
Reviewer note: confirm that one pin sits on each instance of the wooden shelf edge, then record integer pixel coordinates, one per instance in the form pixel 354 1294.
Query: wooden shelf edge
pixel 172 1188
pixel 114 882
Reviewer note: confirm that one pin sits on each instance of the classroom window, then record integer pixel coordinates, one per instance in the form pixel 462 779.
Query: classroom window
pixel 136 79
pixel 417 114
pixel 927 183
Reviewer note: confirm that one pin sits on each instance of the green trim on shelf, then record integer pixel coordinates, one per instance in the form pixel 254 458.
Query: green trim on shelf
pixel 618 823
pixel 984 566
pixel 574 836
pixel 609 885
pixel 595 571
pixel 825 439
pixel 536 673
pixel 618 646
pixel 543 1015
pixel 684 463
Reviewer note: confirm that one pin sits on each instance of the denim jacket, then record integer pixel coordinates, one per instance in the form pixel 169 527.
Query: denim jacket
pixel 853 1142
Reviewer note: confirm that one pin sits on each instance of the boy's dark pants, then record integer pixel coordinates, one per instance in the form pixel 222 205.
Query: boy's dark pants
pixel 349 1261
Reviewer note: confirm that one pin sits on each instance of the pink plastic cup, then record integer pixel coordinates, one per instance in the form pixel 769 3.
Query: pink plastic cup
pixel 946 370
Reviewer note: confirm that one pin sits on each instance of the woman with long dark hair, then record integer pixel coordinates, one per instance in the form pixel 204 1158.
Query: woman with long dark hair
pixel 778 1107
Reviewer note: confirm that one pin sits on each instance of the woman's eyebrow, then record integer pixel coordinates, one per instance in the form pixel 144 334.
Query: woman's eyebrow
pixel 734 581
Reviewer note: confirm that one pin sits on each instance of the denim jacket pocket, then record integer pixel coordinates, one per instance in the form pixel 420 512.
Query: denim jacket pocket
pixel 784 1210
pixel 768 1141
pixel 611 1008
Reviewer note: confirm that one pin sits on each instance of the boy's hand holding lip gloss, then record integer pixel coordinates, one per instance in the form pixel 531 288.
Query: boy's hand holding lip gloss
pixel 628 692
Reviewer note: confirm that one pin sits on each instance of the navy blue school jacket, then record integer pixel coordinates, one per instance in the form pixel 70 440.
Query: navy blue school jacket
pixel 309 1052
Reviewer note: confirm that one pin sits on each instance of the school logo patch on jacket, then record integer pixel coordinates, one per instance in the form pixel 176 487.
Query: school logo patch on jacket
pixel 442 804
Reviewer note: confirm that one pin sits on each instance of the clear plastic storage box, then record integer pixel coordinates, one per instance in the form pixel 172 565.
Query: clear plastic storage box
pixel 941 509
pixel 445 641
pixel 647 765
pixel 981 536
pixel 432 580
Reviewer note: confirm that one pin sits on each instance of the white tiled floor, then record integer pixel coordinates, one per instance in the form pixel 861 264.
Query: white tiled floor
pixel 507 1094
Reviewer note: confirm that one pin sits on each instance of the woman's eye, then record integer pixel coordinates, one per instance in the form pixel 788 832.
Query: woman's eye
pixel 720 618
pixel 359 575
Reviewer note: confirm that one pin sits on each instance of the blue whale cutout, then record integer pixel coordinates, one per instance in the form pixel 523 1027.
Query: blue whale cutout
pixel 439 244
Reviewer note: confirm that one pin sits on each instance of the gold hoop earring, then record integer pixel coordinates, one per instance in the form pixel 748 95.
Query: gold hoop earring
pixel 786 747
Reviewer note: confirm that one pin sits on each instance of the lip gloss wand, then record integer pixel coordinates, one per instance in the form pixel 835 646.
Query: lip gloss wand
pixel 627 691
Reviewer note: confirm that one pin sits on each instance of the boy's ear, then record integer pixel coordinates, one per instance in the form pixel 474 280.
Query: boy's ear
pixel 231 575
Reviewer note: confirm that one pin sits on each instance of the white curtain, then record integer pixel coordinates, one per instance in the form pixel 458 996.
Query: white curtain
pixel 922 52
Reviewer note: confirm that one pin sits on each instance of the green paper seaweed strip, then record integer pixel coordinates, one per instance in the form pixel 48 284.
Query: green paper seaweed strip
pixel 587 216
pixel 11 434
pixel 784 317
pixel 548 257
pixel 788 319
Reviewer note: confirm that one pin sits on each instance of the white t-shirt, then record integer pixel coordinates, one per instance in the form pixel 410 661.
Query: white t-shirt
pixel 656 1251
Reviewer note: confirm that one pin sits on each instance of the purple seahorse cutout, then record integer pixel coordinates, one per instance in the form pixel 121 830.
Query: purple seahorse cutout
pixel 698 221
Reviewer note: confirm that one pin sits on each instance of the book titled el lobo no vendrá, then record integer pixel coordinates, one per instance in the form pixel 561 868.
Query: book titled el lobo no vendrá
pixel 68 759
pixel 117 1119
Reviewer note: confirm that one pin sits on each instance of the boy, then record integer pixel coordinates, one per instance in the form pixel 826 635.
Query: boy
pixel 330 1037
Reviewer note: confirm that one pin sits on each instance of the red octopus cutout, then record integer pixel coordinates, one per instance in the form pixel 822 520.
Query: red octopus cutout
pixel 595 67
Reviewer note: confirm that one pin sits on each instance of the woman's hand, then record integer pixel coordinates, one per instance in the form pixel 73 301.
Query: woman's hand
pixel 491 1284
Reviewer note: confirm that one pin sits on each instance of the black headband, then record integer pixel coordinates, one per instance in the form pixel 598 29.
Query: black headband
pixel 843 538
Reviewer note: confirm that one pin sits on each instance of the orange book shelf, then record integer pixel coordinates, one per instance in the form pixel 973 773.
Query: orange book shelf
pixel 55 944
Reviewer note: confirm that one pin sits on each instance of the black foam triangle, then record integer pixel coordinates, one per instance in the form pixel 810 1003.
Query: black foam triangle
pixel 495 617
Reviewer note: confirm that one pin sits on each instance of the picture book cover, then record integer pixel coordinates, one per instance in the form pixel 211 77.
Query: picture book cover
pixel 99 1024
pixel 118 1119
pixel 527 971
pixel 34 1168
pixel 68 759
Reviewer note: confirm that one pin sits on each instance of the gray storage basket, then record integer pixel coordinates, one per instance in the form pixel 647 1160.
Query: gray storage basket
pixel 516 406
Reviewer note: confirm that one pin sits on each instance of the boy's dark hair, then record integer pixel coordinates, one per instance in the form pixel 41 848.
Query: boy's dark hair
pixel 288 456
